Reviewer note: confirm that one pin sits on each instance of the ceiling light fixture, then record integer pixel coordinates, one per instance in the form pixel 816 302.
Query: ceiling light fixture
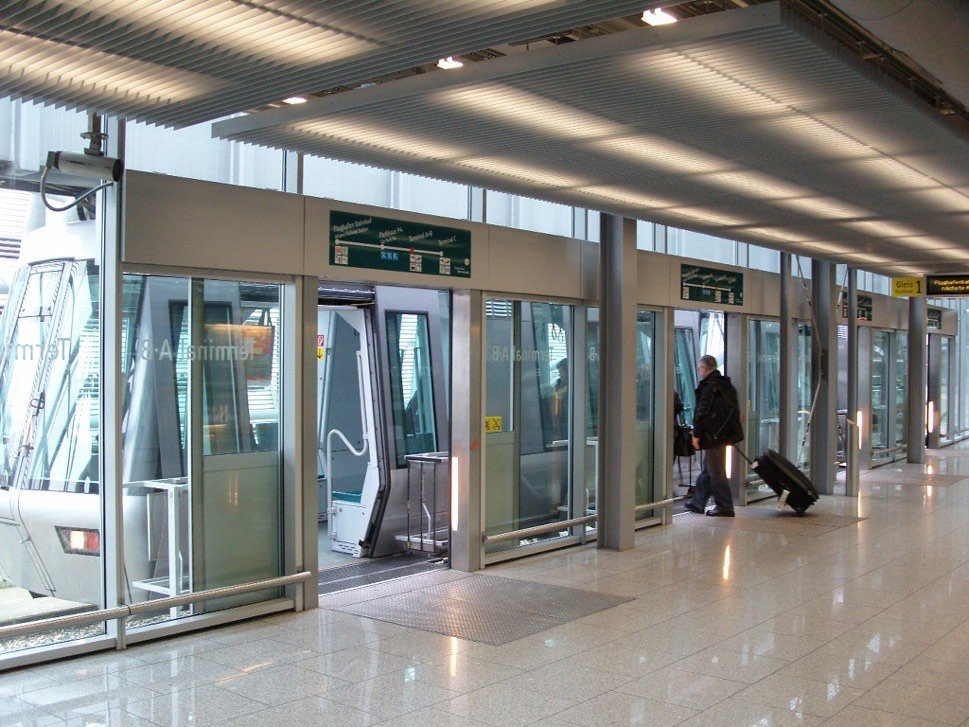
pixel 658 17
pixel 294 100
pixel 449 64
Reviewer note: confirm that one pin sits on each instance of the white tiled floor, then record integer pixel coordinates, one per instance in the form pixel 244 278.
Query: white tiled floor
pixel 862 625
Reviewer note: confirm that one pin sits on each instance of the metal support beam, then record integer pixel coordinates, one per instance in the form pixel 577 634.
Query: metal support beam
pixel 618 280
pixel 306 491
pixel 824 378
pixel 917 323
pixel 467 316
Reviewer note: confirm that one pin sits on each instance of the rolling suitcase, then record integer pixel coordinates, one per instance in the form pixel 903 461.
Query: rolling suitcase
pixel 790 484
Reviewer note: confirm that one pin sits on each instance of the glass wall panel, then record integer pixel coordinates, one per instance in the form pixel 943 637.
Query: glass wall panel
pixel 432 196
pixel 944 381
pixel 901 387
pixel 881 386
pixel 527 456
pixel 684 370
pixel 201 456
pixel 700 246
pixel 524 213
pixel 51 529
pixel 411 385
pixel 192 152
pixel 645 408
pixel 802 445
pixel 645 398
pixel 763 378
pixel 347 182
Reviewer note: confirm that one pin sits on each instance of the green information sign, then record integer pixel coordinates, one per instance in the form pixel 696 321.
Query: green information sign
pixel 709 285
pixel 934 319
pixel 942 285
pixel 378 243
pixel 865 306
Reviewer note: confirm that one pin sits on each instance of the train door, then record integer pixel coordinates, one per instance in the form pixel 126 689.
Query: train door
pixel 348 463
pixel 695 334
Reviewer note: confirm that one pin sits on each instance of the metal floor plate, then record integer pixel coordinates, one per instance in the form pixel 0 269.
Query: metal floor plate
pixel 368 572
pixel 488 609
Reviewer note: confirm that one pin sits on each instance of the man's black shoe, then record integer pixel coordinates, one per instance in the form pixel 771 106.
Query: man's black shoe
pixel 717 512
pixel 693 508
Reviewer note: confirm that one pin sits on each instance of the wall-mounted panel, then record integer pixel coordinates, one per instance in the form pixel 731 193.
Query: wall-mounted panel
pixel 317 260
pixel 190 223
pixel 534 263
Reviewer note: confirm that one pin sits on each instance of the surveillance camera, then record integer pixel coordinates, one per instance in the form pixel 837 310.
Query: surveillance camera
pixel 91 166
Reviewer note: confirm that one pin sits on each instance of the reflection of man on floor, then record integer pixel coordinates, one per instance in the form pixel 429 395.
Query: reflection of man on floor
pixel 716 424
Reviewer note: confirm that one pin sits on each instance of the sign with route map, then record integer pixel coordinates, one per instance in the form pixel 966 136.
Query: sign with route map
pixel 380 243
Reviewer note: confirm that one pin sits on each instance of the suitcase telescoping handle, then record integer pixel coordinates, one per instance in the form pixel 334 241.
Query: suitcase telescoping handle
pixel 746 459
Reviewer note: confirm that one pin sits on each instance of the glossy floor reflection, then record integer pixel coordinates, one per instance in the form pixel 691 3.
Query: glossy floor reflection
pixel 864 624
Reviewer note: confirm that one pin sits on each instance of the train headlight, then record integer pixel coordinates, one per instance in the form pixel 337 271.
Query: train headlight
pixel 79 541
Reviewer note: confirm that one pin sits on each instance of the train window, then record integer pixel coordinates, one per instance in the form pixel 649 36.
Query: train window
pixel 880 384
pixel 901 386
pixel 26 337
pixel 65 436
pixel 684 369
pixel 411 385
pixel 763 374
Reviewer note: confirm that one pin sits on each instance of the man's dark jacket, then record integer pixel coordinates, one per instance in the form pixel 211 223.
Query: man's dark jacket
pixel 716 420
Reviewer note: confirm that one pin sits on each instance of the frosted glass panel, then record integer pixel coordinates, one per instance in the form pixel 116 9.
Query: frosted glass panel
pixel 432 196
pixel 347 182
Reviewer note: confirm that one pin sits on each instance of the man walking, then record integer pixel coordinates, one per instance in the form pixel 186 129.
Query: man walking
pixel 716 424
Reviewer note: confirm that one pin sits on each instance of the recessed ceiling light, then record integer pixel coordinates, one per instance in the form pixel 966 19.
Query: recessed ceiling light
pixel 658 17
pixel 449 63
pixel 294 100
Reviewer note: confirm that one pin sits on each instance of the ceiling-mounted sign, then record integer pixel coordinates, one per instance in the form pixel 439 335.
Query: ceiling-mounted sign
pixel 709 285
pixel 943 285
pixel 908 287
pixel 934 319
pixel 865 306
pixel 379 243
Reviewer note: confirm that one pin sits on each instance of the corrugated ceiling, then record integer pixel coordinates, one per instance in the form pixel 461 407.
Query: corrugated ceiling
pixel 180 62
pixel 745 124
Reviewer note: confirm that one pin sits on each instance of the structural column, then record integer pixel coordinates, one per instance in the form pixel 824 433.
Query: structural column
pixel 852 343
pixel 788 362
pixel 824 378
pixel 916 379
pixel 618 284
pixel 466 365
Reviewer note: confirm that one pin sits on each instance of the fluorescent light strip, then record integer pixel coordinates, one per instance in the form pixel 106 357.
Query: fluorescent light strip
pixel 356 131
pixel 528 110
pixel 255 32
pixel 883 228
pixel 623 196
pixel 753 184
pixel 706 216
pixel 824 208
pixel 533 175
pixel 94 74
pixel 663 154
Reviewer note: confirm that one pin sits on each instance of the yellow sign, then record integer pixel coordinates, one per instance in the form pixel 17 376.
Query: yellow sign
pixel 492 425
pixel 319 353
pixel 907 288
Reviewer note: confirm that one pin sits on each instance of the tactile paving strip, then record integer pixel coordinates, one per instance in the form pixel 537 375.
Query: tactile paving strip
pixel 488 609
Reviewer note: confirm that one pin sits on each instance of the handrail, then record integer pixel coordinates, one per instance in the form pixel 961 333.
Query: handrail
pixel 559 524
pixel 159 604
pixel 364 431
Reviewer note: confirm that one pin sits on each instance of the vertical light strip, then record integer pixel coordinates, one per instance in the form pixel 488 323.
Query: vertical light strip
pixel 930 417
pixel 860 421
pixel 455 469
pixel 729 457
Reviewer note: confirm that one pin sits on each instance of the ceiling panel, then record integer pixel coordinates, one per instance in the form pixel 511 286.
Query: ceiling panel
pixel 745 124
pixel 180 62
